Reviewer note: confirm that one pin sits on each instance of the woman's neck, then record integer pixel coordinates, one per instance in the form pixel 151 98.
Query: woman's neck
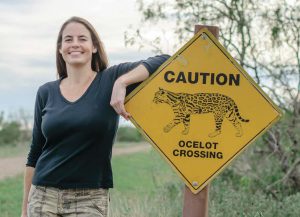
pixel 79 75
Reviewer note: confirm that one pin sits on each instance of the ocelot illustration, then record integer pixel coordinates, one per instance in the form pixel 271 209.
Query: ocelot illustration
pixel 184 105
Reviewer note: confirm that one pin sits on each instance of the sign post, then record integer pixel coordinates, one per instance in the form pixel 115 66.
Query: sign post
pixel 196 205
pixel 200 110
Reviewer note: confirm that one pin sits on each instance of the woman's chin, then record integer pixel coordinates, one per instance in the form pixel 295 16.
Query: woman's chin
pixel 77 62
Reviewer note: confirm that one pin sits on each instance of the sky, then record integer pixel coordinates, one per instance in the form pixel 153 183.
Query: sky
pixel 29 30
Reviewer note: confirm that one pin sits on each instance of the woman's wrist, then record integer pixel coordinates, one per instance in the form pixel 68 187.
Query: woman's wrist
pixel 122 81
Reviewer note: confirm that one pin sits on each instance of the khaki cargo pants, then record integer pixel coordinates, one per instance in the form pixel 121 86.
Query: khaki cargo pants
pixel 54 202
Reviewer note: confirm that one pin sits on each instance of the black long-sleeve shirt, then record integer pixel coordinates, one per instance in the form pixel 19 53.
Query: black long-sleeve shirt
pixel 72 141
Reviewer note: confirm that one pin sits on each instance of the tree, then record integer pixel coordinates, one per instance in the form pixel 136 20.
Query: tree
pixel 15 130
pixel 9 133
pixel 284 72
pixel 257 34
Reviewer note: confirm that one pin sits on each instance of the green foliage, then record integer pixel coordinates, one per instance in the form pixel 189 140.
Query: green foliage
pixel 275 33
pixel 129 134
pixel 279 153
pixel 228 199
pixel 146 186
pixel 11 193
pixel 10 133
pixel 136 171
pixel 14 129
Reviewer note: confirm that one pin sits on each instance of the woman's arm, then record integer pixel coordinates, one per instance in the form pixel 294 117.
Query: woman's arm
pixel 29 171
pixel 38 141
pixel 129 75
pixel 138 74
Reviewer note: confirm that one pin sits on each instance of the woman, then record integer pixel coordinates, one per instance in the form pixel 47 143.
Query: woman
pixel 68 171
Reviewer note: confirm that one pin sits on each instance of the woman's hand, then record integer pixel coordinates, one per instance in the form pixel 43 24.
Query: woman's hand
pixel 140 73
pixel 118 98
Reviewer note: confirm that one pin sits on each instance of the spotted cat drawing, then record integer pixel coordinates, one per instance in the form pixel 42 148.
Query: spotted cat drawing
pixel 184 105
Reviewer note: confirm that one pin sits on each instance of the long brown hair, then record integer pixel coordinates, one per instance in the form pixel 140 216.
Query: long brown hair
pixel 99 59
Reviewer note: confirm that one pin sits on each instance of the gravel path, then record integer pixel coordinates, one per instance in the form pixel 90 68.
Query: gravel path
pixel 13 166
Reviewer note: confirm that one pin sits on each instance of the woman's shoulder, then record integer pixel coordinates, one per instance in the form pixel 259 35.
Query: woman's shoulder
pixel 109 71
pixel 46 87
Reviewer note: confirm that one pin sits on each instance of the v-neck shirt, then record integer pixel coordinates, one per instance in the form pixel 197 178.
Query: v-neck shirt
pixel 84 93
pixel 72 141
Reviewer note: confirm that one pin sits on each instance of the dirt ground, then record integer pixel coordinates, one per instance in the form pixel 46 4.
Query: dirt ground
pixel 13 166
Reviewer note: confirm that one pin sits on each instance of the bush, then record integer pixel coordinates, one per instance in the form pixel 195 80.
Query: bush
pixel 129 134
pixel 10 133
pixel 229 199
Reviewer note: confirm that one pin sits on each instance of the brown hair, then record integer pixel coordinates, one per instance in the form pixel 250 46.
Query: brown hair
pixel 99 59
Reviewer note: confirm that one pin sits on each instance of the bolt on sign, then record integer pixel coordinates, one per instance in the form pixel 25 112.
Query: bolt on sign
pixel 200 110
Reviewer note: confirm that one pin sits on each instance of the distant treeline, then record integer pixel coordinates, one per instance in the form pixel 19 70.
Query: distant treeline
pixel 16 131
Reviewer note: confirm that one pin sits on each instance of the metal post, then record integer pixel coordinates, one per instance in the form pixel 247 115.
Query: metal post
pixel 196 205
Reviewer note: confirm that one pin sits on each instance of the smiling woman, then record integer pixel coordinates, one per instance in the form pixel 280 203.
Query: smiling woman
pixel 76 49
pixel 68 171
pixel 79 35
pixel 77 45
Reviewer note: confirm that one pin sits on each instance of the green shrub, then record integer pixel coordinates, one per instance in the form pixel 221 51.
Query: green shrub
pixel 228 199
pixel 129 134
pixel 10 133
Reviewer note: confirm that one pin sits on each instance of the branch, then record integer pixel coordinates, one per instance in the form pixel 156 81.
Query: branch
pixel 286 176
pixel 281 104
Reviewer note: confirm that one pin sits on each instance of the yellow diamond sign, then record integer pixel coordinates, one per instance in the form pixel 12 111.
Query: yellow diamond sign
pixel 200 109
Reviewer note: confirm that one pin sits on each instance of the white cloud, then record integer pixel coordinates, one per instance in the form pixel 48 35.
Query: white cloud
pixel 28 38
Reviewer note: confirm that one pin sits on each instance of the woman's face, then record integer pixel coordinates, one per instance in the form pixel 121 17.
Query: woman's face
pixel 77 46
